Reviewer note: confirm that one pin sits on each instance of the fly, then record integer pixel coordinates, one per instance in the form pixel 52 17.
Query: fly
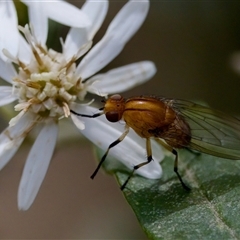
pixel 174 124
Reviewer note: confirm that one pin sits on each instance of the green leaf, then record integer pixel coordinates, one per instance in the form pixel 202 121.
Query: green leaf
pixel 166 211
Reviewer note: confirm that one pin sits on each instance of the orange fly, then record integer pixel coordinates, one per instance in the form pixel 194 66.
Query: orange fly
pixel 174 124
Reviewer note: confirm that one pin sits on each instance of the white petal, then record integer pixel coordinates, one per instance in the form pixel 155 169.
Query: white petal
pixel 99 56
pixel 129 19
pixel 39 21
pixel 123 78
pixel 6 95
pixel 25 52
pixel 8 148
pixel 96 11
pixel 76 38
pixel 7 71
pixel 66 14
pixel 36 165
pixel 62 12
pixel 74 52
pixel 121 29
pixel 8 29
pixel 12 137
pixel 79 124
pixel 131 151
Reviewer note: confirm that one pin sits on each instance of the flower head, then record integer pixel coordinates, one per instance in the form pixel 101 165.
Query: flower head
pixel 47 84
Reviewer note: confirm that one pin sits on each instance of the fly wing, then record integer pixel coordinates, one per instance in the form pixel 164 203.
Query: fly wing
pixel 212 132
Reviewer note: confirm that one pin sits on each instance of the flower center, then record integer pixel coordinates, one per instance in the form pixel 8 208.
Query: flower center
pixel 46 85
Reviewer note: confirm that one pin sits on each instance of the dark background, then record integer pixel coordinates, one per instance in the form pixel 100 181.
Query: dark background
pixel 192 45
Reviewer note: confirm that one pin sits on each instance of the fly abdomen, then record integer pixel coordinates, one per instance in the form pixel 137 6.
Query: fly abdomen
pixel 177 134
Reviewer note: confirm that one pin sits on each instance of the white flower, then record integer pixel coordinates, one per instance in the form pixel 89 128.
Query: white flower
pixel 47 83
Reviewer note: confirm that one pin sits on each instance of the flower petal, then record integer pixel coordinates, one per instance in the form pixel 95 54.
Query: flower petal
pixel 38 20
pixel 79 124
pixel 6 96
pixel 75 52
pixel 77 37
pixel 96 11
pixel 12 137
pixel 8 148
pixel 121 29
pixel 129 19
pixel 62 12
pixel 103 133
pixel 122 78
pixel 7 71
pixel 99 56
pixel 36 165
pixel 8 29
pixel 24 53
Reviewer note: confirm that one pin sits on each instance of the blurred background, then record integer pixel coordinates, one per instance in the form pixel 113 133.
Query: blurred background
pixel 196 48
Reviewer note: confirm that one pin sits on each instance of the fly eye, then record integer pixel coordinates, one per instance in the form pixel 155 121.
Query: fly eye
pixel 116 97
pixel 112 116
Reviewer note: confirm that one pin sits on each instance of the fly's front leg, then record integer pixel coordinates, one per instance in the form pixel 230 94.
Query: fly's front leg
pixel 110 146
pixel 88 116
pixel 149 159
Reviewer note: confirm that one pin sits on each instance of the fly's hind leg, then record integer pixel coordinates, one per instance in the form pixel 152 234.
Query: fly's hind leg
pixel 175 169
pixel 149 159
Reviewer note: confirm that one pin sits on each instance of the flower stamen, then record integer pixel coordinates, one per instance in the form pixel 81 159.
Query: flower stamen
pixel 24 67
pixel 66 110
pixel 38 58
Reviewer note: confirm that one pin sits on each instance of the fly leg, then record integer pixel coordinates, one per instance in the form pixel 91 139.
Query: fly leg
pixel 88 116
pixel 124 134
pixel 193 151
pixel 149 159
pixel 175 169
